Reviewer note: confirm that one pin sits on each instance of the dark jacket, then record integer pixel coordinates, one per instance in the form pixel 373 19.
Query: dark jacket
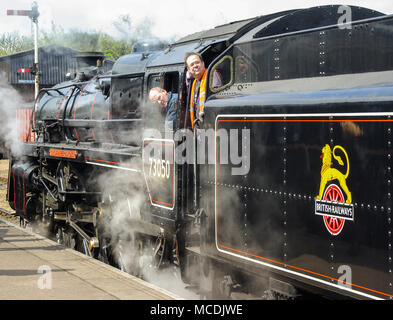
pixel 171 110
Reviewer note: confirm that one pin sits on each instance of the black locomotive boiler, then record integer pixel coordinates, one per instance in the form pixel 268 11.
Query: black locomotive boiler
pixel 284 188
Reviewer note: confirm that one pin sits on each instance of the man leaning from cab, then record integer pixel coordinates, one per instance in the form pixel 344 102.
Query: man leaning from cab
pixel 168 101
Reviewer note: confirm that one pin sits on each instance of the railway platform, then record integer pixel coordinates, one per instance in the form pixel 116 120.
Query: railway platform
pixel 33 267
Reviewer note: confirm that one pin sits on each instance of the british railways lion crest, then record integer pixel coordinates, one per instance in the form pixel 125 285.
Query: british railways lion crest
pixel 334 201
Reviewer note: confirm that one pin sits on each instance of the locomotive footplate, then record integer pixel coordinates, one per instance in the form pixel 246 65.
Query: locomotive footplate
pixel 107 155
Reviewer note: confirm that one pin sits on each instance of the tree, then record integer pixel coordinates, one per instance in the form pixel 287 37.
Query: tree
pixel 76 39
pixel 114 49
pixel 13 42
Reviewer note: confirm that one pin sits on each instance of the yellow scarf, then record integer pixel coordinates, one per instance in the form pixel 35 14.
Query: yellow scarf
pixel 202 97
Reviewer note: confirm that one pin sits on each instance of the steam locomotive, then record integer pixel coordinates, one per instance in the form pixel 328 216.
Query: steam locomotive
pixel 284 188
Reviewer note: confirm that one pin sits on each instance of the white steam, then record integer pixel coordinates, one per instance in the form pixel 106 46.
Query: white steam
pixel 125 197
pixel 10 127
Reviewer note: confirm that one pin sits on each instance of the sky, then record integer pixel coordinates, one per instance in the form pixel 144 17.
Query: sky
pixel 171 19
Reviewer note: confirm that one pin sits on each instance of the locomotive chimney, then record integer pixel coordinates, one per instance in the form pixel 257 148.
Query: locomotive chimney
pixel 88 64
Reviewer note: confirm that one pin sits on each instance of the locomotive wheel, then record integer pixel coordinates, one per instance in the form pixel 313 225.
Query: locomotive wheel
pixel 121 261
pixel 82 245
pixel 159 251
pixel 69 239
pixel 59 235
pixel 211 284
pixel 104 252
pixel 131 257
pixel 333 224
pixel 140 258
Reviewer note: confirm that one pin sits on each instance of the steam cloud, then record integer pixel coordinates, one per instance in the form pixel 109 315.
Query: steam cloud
pixel 124 199
pixel 9 126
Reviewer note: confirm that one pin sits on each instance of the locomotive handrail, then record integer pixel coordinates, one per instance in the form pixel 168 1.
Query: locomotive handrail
pixel 52 89
pixel 77 84
pixel 114 123
pixel 121 75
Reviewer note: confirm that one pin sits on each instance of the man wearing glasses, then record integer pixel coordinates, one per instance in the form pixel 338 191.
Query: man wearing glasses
pixel 168 101
pixel 196 66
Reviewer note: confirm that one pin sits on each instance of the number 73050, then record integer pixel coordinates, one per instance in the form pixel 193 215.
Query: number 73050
pixel 159 168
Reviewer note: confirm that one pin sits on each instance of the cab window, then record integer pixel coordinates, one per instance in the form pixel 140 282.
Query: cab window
pixel 222 70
